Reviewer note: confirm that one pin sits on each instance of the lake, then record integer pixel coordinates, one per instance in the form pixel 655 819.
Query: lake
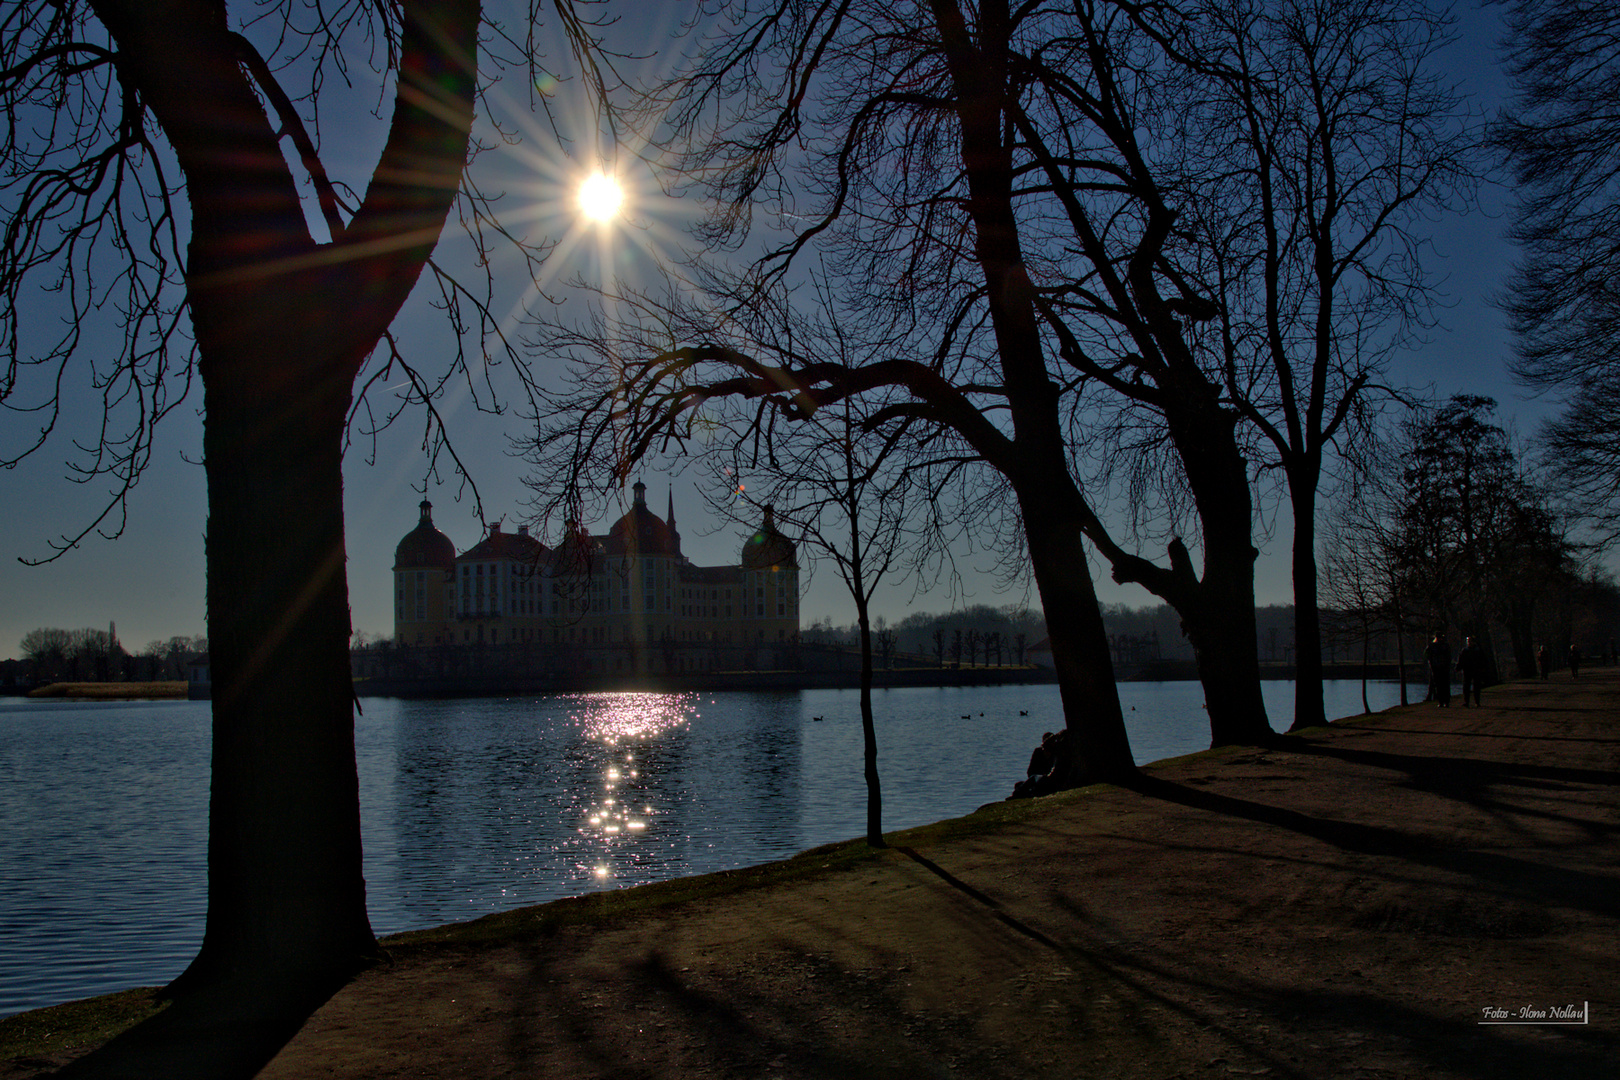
pixel 479 805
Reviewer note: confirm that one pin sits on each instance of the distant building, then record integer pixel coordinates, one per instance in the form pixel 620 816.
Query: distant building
pixel 626 601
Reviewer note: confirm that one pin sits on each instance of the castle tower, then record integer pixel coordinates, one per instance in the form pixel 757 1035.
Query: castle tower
pixel 424 563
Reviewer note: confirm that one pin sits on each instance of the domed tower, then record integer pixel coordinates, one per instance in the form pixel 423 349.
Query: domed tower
pixel 643 556
pixel 640 533
pixel 424 565
pixel 768 547
pixel 770 568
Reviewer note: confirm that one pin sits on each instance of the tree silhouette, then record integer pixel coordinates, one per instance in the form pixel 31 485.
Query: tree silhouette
pixel 164 173
pixel 1321 136
pixel 1475 543
pixel 1562 137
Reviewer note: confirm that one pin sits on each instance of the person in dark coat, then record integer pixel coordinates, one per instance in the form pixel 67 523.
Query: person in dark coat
pixel 1574 661
pixel 1544 658
pixel 1471 662
pixel 1438 655
pixel 1041 776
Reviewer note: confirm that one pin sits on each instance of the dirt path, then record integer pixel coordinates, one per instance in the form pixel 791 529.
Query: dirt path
pixel 1346 907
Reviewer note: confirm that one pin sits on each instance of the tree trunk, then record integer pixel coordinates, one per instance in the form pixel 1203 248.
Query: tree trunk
pixel 1400 647
pixel 1097 746
pixel 1308 710
pixel 1217 608
pixel 282 327
pixel 1366 652
pixel 287 902
pixel 1228 661
pixel 874 788
pixel 1520 624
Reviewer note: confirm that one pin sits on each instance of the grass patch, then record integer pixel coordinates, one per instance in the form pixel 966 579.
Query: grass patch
pixel 90 1022
pixel 595 908
pixel 508 926
pixel 112 691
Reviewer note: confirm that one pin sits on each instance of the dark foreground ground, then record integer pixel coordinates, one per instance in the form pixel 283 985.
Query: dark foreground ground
pixel 1347 906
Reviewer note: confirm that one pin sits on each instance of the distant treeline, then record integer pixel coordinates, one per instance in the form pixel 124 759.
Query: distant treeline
pixel 90 655
pixel 1136 635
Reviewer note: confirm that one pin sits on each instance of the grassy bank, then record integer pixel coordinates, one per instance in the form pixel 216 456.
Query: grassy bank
pixel 113 691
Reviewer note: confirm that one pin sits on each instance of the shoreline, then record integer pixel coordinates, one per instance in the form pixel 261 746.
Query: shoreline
pixel 471 686
pixel 1343 904
pixel 108 691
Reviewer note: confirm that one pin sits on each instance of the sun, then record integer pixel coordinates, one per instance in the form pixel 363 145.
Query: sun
pixel 600 197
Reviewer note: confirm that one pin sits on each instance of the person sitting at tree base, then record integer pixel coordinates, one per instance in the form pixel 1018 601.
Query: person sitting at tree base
pixel 1041 775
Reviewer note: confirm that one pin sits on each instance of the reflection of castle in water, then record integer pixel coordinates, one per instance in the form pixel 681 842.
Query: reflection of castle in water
pixel 626 602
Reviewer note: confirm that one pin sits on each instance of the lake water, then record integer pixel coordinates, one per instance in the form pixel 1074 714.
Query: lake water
pixel 474 806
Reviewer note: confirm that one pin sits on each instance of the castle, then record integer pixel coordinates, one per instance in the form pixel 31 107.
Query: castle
pixel 626 602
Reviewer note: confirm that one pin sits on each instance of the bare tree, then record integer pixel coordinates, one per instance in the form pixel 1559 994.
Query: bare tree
pixel 979 181
pixel 841 481
pixel 47 649
pixel 164 175
pixel 1477 546
pixel 1361 581
pixel 843 492
pixel 1562 138
pixel 1123 242
pixel 1321 135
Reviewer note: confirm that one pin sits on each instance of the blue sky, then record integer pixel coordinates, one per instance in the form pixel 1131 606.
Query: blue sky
pixel 150 581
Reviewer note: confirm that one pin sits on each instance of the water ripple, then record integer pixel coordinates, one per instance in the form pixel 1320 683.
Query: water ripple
pixel 476 806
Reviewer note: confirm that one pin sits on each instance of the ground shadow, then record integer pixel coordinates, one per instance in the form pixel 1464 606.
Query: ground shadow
pixel 1503 874
pixel 227 1032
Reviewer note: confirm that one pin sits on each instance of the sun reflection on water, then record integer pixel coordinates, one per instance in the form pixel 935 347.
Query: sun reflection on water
pixel 624 729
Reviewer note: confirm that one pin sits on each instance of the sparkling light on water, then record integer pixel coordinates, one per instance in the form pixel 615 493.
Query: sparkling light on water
pixel 475 806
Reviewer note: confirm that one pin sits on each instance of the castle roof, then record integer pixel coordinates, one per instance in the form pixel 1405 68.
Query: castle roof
pixel 518 547
pixel 425 545
pixel 768 547
pixel 642 532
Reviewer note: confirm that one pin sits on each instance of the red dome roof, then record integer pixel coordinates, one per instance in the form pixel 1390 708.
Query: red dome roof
pixel 425 545
pixel 768 547
pixel 642 532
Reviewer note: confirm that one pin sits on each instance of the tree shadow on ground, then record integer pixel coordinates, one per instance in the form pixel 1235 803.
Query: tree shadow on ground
pixel 1486 785
pixel 224 1032
pixel 1500 736
pixel 1504 875
pixel 1277 1025
pixel 1376 1033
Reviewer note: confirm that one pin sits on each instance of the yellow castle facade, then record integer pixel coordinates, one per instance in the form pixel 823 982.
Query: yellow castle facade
pixel 626 601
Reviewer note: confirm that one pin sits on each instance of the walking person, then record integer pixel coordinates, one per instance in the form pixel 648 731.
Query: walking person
pixel 1544 659
pixel 1574 661
pixel 1471 662
pixel 1438 655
